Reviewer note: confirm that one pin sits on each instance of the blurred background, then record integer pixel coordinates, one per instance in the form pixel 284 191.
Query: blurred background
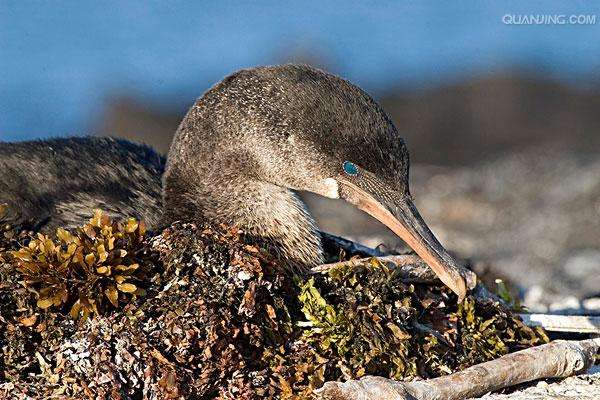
pixel 499 103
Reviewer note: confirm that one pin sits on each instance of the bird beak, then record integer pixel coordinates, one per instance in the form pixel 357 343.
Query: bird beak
pixel 403 218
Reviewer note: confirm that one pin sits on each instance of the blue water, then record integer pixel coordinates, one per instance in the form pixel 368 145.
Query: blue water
pixel 61 60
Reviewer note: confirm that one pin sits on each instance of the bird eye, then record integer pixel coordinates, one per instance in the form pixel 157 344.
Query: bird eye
pixel 350 168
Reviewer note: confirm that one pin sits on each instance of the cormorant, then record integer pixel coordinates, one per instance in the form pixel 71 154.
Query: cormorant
pixel 237 157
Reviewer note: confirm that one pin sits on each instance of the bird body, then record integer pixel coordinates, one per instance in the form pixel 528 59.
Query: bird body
pixel 57 182
pixel 237 158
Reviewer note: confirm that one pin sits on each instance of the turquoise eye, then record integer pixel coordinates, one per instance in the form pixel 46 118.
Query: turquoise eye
pixel 350 168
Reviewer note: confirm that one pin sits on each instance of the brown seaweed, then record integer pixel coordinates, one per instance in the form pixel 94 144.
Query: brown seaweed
pixel 221 319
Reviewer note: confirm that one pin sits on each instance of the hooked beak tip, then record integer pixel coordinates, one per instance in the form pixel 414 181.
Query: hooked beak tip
pixel 405 221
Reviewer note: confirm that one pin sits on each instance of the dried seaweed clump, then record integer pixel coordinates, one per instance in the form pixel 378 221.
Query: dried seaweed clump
pixel 88 270
pixel 269 334
pixel 224 320
pixel 366 320
pixel 230 310
pixel 216 320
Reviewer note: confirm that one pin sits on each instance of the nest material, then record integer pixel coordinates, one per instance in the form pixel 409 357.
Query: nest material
pixel 87 271
pixel 218 318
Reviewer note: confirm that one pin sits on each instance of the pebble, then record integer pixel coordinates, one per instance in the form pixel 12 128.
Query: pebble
pixel 534 299
pixel 563 306
pixel 592 304
pixel 244 275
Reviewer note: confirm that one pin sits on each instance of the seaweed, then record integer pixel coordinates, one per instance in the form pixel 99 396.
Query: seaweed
pixel 93 268
pixel 221 318
pixel 365 320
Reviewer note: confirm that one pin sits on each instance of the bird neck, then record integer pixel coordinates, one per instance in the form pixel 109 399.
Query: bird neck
pixel 269 215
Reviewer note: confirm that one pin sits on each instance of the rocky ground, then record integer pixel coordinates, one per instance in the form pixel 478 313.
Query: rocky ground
pixel 586 387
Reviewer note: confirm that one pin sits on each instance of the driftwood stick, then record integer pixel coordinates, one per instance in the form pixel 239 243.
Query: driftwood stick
pixel 558 359
pixel 563 323
pixel 333 244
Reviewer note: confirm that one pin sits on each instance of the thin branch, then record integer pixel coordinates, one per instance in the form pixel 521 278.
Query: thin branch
pixel 333 244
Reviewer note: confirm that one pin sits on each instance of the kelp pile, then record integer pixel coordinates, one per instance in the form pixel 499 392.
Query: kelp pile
pixel 218 318
pixel 95 267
